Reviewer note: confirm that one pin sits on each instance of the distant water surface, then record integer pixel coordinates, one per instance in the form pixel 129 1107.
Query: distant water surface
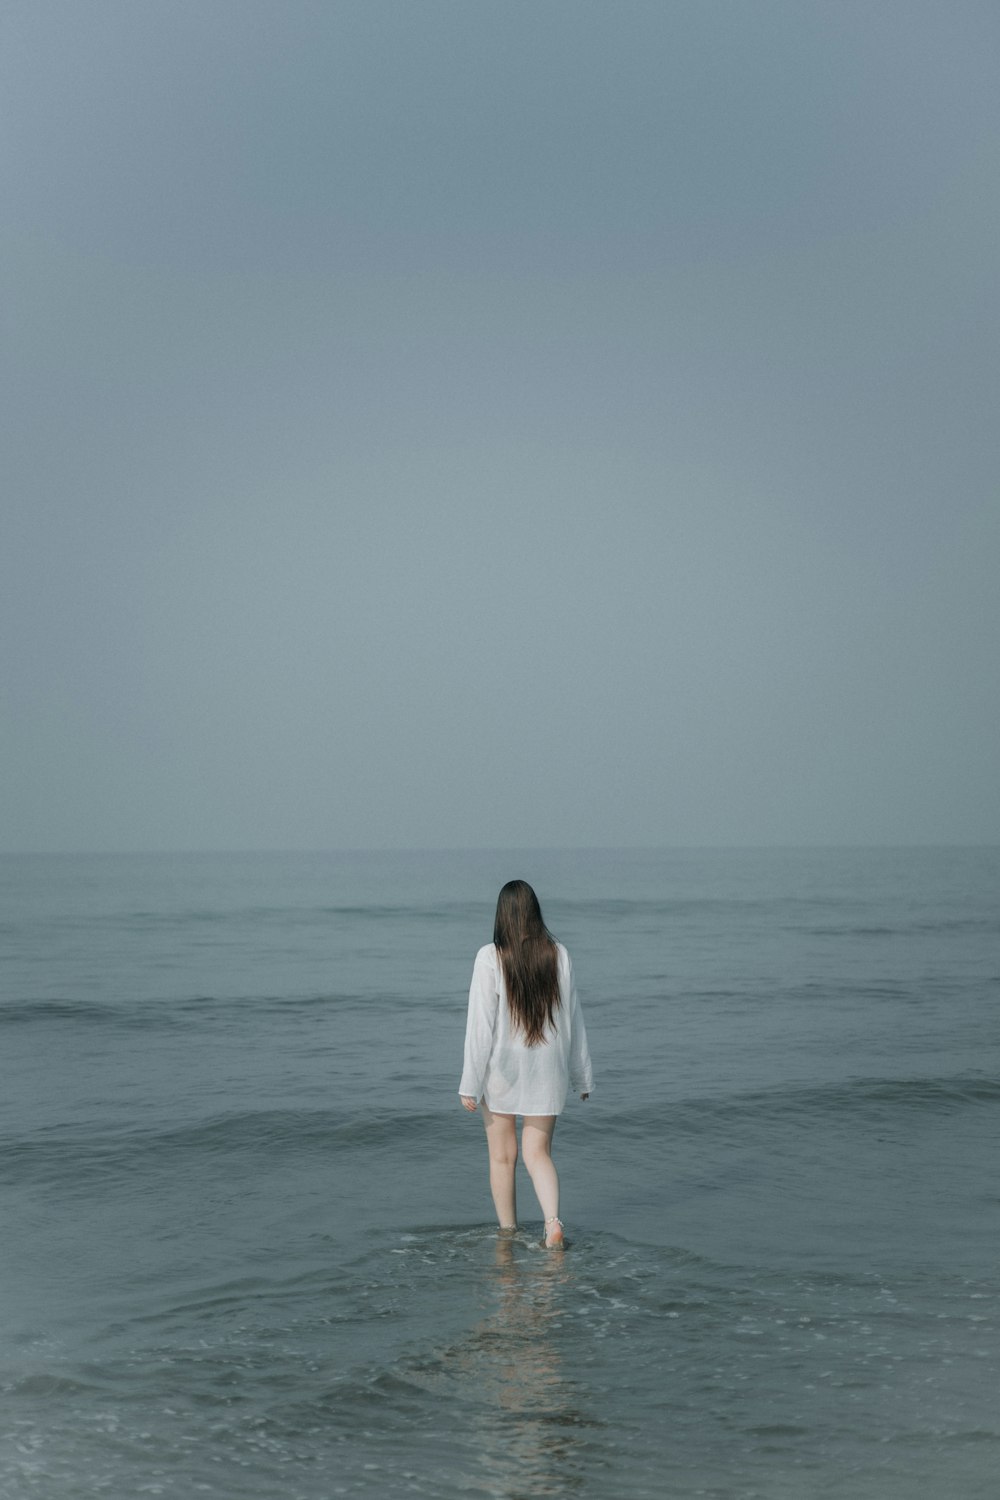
pixel 248 1245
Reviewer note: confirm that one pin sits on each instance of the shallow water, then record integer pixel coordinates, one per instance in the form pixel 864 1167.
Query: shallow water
pixel 248 1244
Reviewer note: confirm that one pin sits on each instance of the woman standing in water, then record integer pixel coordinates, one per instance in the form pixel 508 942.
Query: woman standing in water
pixel 525 1044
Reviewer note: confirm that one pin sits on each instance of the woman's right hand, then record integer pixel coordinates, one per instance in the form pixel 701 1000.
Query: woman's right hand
pixel 467 1102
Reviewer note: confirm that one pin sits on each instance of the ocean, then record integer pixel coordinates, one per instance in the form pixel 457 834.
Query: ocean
pixel 248 1245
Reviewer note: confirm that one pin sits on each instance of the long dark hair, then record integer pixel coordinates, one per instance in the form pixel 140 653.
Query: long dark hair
pixel 527 953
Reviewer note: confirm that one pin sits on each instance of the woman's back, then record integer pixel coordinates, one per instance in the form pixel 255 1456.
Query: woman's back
pixel 514 1075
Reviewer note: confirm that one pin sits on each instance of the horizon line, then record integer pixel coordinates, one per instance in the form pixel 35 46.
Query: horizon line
pixel 405 849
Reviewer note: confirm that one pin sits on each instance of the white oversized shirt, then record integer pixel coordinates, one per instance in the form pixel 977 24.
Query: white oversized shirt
pixel 501 1068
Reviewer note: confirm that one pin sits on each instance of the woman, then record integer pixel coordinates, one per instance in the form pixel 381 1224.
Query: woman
pixel 525 1043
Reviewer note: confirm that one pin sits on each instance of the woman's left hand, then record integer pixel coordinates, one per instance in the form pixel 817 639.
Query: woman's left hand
pixel 467 1102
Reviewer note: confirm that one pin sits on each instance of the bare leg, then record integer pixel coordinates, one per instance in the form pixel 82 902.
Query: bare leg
pixel 536 1143
pixel 501 1140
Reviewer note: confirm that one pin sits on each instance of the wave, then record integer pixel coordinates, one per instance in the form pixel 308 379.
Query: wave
pixel 262 1137
pixel 275 1137
pixel 910 927
pixel 167 1011
pixel 20 1012
pixel 855 1101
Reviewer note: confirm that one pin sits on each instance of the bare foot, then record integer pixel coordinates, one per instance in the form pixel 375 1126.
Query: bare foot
pixel 554 1234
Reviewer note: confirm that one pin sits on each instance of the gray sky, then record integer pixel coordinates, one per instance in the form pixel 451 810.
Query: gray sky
pixel 534 422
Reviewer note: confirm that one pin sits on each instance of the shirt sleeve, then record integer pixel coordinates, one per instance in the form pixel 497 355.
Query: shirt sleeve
pixel 483 999
pixel 581 1073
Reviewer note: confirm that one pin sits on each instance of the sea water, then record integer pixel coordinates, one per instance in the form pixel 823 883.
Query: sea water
pixel 248 1246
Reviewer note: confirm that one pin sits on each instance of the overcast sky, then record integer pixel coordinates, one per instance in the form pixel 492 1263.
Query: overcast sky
pixel 443 423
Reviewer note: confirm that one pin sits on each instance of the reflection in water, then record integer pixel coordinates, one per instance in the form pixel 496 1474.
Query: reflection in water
pixel 526 1424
